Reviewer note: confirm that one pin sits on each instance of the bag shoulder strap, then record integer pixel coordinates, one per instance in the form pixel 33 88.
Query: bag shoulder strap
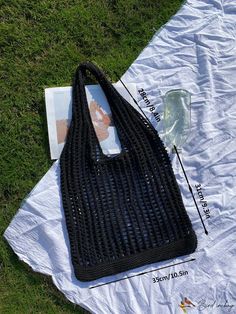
pixel 125 117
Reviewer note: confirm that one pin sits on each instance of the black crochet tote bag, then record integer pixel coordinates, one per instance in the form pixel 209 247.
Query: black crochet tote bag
pixel 122 211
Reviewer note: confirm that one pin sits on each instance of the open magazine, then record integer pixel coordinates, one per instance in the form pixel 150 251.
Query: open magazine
pixel 58 108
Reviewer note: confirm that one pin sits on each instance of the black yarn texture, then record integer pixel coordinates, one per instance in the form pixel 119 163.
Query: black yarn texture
pixel 121 211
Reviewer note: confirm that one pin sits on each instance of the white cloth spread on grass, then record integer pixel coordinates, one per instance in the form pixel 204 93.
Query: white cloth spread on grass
pixel 196 51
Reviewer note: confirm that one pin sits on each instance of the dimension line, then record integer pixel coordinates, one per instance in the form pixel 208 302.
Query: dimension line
pixel 149 271
pixel 135 101
pixel 191 191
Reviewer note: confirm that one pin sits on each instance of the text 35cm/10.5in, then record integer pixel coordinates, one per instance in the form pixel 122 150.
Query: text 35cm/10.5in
pixel 170 276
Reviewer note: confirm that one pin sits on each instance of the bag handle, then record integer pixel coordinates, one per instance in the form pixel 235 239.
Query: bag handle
pixel 123 114
pixel 111 93
pixel 80 108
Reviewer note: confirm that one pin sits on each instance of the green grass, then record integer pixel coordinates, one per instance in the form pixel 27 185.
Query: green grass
pixel 41 43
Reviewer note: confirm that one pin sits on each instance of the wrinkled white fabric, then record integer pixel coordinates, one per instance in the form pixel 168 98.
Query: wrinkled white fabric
pixel 196 51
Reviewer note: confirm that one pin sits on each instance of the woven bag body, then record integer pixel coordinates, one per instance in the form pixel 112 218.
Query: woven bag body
pixel 121 211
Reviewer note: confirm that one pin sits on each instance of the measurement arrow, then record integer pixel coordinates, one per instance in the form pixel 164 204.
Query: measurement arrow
pixel 149 271
pixel 135 101
pixel 191 191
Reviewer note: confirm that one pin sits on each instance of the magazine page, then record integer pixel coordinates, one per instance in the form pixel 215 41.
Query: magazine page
pixel 59 111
